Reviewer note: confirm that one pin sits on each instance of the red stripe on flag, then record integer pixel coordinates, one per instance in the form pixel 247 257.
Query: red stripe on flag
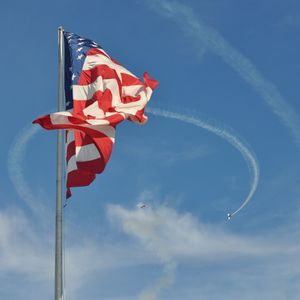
pixel 89 76
pixel 95 51
pixel 78 178
pixel 70 151
pixel 95 166
pixel 128 80
pixel 150 82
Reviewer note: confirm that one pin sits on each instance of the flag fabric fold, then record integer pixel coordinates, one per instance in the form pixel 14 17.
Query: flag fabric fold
pixel 100 94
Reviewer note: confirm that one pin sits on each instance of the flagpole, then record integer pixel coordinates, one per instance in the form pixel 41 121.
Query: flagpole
pixel 58 218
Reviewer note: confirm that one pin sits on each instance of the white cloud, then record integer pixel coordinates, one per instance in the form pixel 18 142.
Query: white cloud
pixel 22 249
pixel 171 235
pixel 27 252
pixel 238 263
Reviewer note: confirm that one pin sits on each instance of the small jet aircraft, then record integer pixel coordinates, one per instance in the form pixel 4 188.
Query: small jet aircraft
pixel 141 205
pixel 229 216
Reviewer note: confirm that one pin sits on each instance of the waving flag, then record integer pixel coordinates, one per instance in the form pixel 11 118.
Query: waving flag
pixel 100 94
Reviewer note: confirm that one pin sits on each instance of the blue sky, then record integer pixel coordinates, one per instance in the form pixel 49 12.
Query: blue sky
pixel 224 122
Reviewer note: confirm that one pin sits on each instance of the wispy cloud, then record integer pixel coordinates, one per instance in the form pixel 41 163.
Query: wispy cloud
pixel 171 235
pixel 212 40
pixel 175 237
pixel 27 251
pixel 22 249
pixel 165 236
pixel 226 135
pixel 245 262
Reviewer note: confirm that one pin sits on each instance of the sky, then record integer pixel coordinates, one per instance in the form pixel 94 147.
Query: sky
pixel 223 128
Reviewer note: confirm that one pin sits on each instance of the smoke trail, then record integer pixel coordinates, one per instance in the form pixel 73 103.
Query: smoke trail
pixel 212 40
pixel 18 148
pixel 230 138
pixel 16 173
pixel 162 283
pixel 153 228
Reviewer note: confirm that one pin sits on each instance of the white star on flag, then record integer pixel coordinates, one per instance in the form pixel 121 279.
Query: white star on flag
pixel 79 57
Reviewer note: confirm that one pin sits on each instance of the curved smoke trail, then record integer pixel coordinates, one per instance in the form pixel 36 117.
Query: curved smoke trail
pixel 230 138
pixel 15 169
pixel 18 148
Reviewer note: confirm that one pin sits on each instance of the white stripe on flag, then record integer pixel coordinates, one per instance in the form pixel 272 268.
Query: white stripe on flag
pixel 91 61
pixel 71 166
pixel 86 92
pixel 87 152
pixel 70 137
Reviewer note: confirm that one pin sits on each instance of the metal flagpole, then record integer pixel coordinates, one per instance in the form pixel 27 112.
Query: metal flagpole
pixel 58 221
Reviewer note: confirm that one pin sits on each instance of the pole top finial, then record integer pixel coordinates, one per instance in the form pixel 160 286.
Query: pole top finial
pixel 60 28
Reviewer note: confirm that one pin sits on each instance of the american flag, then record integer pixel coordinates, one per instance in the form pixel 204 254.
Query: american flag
pixel 100 94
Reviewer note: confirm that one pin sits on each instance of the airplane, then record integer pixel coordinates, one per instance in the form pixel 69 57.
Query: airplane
pixel 229 216
pixel 141 205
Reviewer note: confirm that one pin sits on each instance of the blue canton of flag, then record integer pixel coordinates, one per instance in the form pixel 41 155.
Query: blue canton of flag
pixel 76 49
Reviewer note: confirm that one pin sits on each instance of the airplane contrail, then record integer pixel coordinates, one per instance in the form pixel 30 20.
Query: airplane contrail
pixel 229 137
pixel 162 283
pixel 16 173
pixel 213 40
